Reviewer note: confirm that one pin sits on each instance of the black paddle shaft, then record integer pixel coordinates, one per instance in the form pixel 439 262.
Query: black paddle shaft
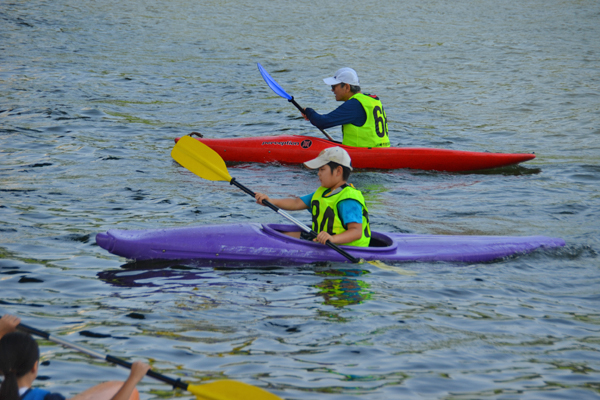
pixel 176 383
pixel 312 233
pixel 251 193
pixel 302 111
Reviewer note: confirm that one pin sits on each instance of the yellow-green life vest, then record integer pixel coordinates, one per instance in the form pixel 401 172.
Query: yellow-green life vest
pixel 325 215
pixel 374 132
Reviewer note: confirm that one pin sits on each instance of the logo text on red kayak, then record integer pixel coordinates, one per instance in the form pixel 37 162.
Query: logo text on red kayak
pixel 286 143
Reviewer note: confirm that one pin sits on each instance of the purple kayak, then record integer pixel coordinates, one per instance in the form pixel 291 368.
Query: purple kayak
pixel 267 243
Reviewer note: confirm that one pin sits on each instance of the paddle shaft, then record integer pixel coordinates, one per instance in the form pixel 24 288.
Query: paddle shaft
pixel 302 111
pixel 174 382
pixel 294 220
pixel 281 92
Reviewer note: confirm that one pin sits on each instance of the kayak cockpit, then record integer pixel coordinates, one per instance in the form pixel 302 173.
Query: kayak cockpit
pixel 379 241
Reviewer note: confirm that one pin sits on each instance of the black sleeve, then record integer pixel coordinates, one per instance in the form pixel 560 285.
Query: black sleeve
pixel 54 396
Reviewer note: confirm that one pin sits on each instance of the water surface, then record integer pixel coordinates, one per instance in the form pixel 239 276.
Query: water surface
pixel 93 93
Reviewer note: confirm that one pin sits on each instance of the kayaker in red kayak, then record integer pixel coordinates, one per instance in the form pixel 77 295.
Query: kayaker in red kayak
pixel 362 117
pixel 339 212
pixel 19 361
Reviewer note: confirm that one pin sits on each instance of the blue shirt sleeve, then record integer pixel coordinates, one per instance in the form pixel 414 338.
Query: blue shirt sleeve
pixel 306 199
pixel 350 112
pixel 349 211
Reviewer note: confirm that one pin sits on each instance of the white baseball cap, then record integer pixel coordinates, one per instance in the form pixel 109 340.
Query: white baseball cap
pixel 335 154
pixel 343 75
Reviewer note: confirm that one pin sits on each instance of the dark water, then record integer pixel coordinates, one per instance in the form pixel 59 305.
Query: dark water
pixel 93 93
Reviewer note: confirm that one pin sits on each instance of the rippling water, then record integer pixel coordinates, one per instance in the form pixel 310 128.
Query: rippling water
pixel 93 93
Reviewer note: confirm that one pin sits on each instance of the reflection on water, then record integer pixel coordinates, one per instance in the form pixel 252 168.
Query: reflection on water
pixel 512 170
pixel 344 291
pixel 341 292
pixel 155 273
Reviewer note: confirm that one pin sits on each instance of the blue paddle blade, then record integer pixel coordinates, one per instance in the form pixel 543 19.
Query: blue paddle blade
pixel 272 84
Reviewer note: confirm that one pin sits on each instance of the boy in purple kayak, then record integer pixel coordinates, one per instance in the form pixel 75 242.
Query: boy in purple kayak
pixel 339 212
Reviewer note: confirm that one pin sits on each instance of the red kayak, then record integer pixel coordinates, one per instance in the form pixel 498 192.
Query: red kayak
pixel 295 149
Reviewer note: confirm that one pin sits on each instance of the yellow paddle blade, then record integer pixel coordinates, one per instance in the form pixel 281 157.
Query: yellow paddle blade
pixel 200 159
pixel 230 390
pixel 385 267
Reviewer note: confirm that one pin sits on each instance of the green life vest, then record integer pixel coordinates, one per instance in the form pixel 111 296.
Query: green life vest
pixel 374 132
pixel 325 215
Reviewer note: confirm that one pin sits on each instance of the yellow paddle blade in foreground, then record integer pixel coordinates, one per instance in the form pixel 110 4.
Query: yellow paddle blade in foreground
pixel 200 159
pixel 230 390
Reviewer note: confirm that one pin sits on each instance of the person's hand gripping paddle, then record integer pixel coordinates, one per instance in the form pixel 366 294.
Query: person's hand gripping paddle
pixel 220 390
